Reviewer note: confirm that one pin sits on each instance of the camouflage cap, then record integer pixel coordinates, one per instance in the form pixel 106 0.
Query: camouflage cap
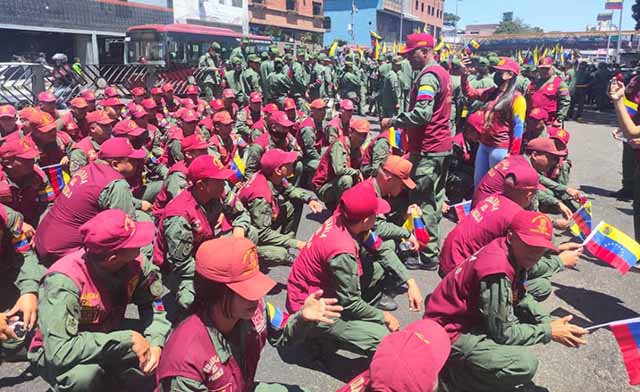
pixel 215 45
pixel 322 57
pixel 483 62
pixel 264 55
pixel 253 58
pixel 236 61
pixel 494 60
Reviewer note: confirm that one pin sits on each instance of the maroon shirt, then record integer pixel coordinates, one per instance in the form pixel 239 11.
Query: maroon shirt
pixel 493 181
pixel 490 219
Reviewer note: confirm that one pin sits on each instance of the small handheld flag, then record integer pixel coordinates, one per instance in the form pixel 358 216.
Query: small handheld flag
pixel 277 318
pixel 415 225
pixel 332 50
pixel 57 177
pixel 462 209
pixel 397 139
pixel 472 46
pixel 238 167
pixel 613 247
pixel 373 241
pixel 582 221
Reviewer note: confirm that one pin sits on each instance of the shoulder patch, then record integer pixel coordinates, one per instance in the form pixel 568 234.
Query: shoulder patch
pixel 425 93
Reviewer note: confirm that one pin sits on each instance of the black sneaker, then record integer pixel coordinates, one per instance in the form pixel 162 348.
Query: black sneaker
pixel 622 194
pixel 387 303
pixel 414 263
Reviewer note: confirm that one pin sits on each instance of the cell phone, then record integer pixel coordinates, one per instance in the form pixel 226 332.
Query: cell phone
pixel 18 328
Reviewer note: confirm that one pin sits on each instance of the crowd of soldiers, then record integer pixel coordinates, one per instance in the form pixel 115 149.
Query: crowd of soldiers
pixel 180 204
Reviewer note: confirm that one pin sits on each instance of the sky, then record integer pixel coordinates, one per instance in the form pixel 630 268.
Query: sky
pixel 551 15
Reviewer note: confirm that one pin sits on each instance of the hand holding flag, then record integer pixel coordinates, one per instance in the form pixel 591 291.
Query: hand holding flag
pixel 462 209
pixel 415 225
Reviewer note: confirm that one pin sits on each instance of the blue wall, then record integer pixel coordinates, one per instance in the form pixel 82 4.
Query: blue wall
pixel 340 13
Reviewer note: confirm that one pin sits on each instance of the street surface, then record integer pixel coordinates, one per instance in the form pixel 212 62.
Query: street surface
pixel 594 293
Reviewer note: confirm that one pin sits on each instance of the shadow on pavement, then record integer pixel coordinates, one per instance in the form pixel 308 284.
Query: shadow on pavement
pixel 600 118
pixel 594 190
pixel 597 307
pixel 333 364
pixel 626 211
pixel 26 376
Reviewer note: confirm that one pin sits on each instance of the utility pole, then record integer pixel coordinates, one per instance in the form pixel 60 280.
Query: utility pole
pixel 401 21
pixel 619 35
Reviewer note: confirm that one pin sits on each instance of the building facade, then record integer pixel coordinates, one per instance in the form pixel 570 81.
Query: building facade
pixel 351 21
pixel 480 29
pixel 231 14
pixel 291 21
pixel 92 30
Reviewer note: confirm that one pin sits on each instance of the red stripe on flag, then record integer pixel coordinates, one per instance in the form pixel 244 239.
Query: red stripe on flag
pixel 629 349
pixel 608 256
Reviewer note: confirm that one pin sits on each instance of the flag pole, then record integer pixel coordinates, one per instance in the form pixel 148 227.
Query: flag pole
pixel 619 35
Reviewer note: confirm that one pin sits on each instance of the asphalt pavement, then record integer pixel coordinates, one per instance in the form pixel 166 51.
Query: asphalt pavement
pixel 594 293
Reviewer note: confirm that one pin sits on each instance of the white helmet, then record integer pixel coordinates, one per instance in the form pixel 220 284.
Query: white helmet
pixel 60 57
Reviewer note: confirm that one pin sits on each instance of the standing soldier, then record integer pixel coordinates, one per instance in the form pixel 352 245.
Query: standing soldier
pixel 267 67
pixel 310 137
pixel 481 79
pixel 549 92
pixel 251 77
pixel 278 84
pixel 429 135
pixel 234 80
pixel 240 52
pixel 406 76
pixel 300 79
pixel 350 84
pixel 83 342
pixel 209 63
pixel 392 90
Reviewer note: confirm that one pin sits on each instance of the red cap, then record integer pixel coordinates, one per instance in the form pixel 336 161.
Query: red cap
pixel 88 95
pixel 545 62
pixel 156 91
pixel 187 103
pixel 28 113
pixel 411 359
pixel 255 97
pixel 207 166
pixel 546 145
pixel 228 93
pixel 110 92
pixel 360 125
pixel 138 91
pixel 562 135
pixel 119 147
pixel 361 201
pixel 206 122
pixel 318 104
pixel 416 41
pixel 79 103
pixel 234 262
pixel 189 115
pixel 100 117
pixel 525 177
pixel 274 158
pixel 18 148
pixel 289 104
pixel 167 87
pixel 538 114
pixel 192 90
pixel 346 104
pixel 400 168
pixel 280 118
pixel 507 64
pixel 43 121
pixel 127 128
pixel 138 112
pixel 113 101
pixel 270 108
pixel 113 229
pixel 222 117
pixel 194 142
pixel 46 96
pixel 217 104
pixel 149 104
pixel 7 111
pixel 534 229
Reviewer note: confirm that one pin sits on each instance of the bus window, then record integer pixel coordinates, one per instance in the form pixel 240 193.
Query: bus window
pixel 145 44
pixel 195 51
pixel 176 52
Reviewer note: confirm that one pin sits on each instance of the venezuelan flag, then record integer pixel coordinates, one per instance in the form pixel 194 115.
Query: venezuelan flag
pixel 373 241
pixel 613 4
pixel 46 194
pixel 519 112
pixel 238 167
pixel 277 318
pixel 582 221
pixel 613 247
pixel 627 334
pixel 632 107
pixel 20 243
pixel 415 225
pixel 425 93
pixel 57 177
pixel 397 139
pixel 472 46
pixel 462 209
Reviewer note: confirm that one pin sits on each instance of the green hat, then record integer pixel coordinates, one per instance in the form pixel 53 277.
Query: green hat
pixel 274 50
pixel 264 55
pixel 455 62
pixel 492 54
pixel 494 60
pixel 398 60
pixel 322 57
pixel 215 45
pixel 349 57
pixel 236 60
pixel 300 52
pixel 312 56
pixel 483 62
pixel 253 58
pixel 278 60
pixel 348 63
pixel 288 57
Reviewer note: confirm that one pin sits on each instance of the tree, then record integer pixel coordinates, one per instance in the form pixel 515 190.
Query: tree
pixel 451 20
pixel 636 13
pixel 515 26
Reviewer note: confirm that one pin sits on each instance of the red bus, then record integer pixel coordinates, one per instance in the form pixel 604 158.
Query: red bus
pixel 183 44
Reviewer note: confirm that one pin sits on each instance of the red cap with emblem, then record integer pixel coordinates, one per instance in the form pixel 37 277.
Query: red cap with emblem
pixel 416 41
pixel 234 262
pixel 192 90
pixel 100 117
pixel 280 118
pixel 207 167
pixel 189 116
pixel 156 91
pixel 18 148
pixel 546 145
pixel 113 229
pixel 43 121
pixel 346 104
pixel 222 117
pixel 318 104
pixel 7 111
pixel 88 95
pixel 119 147
pixel 255 97
pixel 46 96
pixel 110 92
pixel 228 93
pixel 194 142
pixel 275 158
pixel 534 229
pixel 508 65
pixel 545 62
pixel 270 108
pixel 149 104
pixel 289 104
pixel 559 134
pixel 138 91
pixel 138 112
pixel 79 103
pixel 167 87
pixel 127 128
pixel 538 114
pixel 217 104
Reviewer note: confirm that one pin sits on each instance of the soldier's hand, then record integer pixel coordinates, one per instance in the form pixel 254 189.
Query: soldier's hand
pixel 570 246
pixel 574 193
pixel 140 348
pixel 570 258
pixel 146 206
pixel 28 305
pixel 316 206
pixel 320 310
pixel 6 332
pixel 385 124
pixel 391 322
pixel 567 334
pixel 413 241
pixel 152 360
pixel 301 244
pixel 565 210
pixel 561 224
pixel 414 295
pixel 64 161
pixel 28 230
pixel 616 90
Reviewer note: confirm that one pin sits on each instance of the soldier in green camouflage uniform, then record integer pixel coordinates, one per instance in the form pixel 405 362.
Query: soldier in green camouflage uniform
pixel 209 63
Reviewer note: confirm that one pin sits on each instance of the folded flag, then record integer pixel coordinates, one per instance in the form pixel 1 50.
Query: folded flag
pixel 57 177
pixel 627 334
pixel 415 225
pixel 398 139
pixel 613 247
pixel 373 241
pixel 582 221
pixel 632 107
pixel 238 167
pixel 462 209
pixel 277 318
pixel 613 4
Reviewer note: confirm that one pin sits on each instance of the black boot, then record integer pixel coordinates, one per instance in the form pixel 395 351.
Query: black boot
pixel 387 303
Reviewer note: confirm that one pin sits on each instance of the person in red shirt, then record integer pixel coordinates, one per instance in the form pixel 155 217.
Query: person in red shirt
pixel 74 121
pixel 51 143
pixel 8 120
pixel 47 103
